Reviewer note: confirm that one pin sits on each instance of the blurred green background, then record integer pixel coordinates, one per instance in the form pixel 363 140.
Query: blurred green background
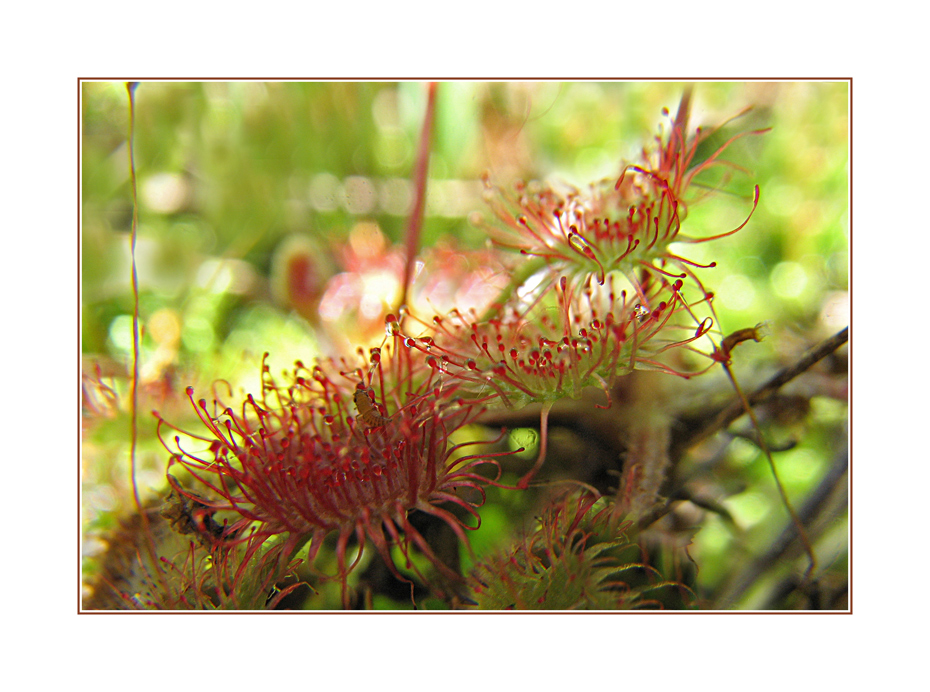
pixel 236 179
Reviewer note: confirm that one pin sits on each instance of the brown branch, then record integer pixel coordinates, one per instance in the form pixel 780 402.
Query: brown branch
pixel 736 410
pixel 766 391
pixel 810 511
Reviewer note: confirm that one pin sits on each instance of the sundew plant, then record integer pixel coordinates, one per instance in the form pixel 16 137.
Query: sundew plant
pixel 464 346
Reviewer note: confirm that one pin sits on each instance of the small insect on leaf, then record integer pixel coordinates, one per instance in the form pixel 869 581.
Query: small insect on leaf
pixel 188 515
pixel 367 411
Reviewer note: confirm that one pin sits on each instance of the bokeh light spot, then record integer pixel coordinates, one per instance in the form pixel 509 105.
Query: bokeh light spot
pixel 788 279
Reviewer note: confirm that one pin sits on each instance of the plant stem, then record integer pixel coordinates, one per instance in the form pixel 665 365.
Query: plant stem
pixel 802 534
pixel 543 443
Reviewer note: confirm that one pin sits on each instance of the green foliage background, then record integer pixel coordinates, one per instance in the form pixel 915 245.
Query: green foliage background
pixel 228 171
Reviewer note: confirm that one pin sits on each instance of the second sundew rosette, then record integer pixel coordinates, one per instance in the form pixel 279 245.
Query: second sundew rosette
pixel 622 226
pixel 596 290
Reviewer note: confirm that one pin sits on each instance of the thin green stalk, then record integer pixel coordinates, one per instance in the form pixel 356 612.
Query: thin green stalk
pixel 802 534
